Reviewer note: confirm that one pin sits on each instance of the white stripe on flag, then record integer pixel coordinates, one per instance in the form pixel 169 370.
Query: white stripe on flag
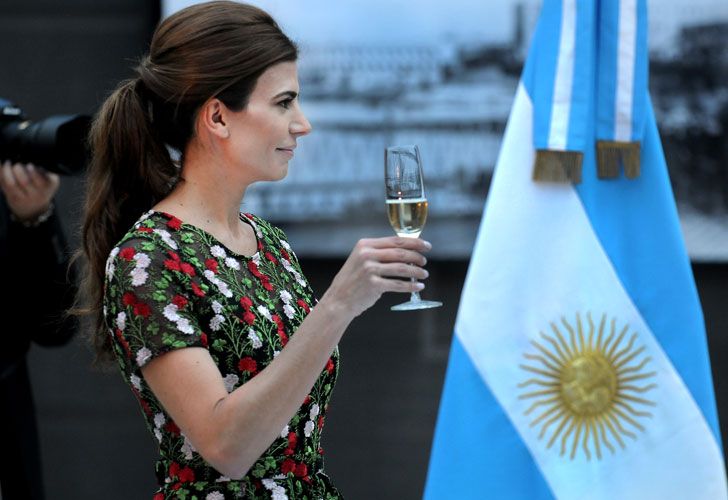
pixel 626 53
pixel 564 80
pixel 537 260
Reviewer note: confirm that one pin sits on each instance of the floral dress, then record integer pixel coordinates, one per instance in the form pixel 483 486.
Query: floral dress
pixel 170 285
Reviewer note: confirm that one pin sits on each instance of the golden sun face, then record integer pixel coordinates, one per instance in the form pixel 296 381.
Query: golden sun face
pixel 590 384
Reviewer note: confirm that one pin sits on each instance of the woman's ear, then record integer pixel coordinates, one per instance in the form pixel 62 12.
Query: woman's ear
pixel 213 119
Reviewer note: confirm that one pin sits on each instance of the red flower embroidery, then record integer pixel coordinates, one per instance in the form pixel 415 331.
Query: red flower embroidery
pixel 330 366
pixel 287 466
pixel 248 364
pixel 260 245
pixel 267 286
pixel 158 496
pixel 301 470
pixel 321 422
pixel 197 290
pixel 307 400
pixel 145 229
pixel 141 309
pixel 179 301
pixel 246 303
pixel 285 255
pixel 284 338
pixel 129 299
pixel 173 469
pixel 292 440
pixel 173 255
pixel 127 253
pixel 187 475
pixel 303 305
pixel 172 265
pixel 320 451
pixel 203 339
pixel 249 317
pixel 211 264
pixel 187 269
pixel 271 258
pixel 174 223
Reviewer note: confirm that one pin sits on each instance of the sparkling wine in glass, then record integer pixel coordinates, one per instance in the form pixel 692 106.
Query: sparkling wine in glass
pixel 406 204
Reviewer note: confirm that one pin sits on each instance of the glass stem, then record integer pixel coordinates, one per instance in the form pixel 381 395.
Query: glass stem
pixel 415 297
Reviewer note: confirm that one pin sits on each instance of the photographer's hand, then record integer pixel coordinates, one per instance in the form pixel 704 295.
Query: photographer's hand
pixel 28 189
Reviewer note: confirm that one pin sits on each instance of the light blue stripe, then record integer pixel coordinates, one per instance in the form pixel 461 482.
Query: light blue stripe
pixel 641 70
pixel 476 451
pixel 607 60
pixel 582 93
pixel 539 71
pixel 637 224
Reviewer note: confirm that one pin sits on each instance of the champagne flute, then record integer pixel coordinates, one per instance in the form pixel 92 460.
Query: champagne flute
pixel 406 204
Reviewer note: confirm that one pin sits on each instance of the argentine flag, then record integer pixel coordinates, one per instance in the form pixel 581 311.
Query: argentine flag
pixel 579 367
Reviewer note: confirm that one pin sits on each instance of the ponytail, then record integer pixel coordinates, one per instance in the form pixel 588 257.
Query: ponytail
pixel 130 171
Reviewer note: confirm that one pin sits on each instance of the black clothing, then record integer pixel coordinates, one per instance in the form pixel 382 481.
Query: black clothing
pixel 38 290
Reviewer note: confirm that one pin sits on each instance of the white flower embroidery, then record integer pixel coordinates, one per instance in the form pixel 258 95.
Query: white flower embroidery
pixel 308 428
pixel 167 238
pixel 277 492
pixel 110 267
pixel 143 356
pixel 285 296
pixel 254 339
pixel 216 306
pixel 256 258
pixel 138 276
pixel 184 326
pixel 265 312
pixel 314 412
pixel 136 382
pixel 222 479
pixel 230 381
pixel 142 260
pixel 276 353
pixel 188 449
pixel 158 435
pixel 215 322
pixel 221 285
pixel 285 244
pixel 218 251
pixel 170 312
pixel 121 321
pixel 232 263
pixel 284 432
pixel 215 495
pixel 159 420
pixel 289 311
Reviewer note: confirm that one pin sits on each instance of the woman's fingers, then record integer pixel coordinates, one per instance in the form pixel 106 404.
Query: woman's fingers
pixel 393 285
pixel 415 244
pixel 399 270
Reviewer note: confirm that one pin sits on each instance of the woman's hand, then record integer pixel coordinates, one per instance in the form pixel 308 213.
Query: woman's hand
pixel 28 189
pixel 373 268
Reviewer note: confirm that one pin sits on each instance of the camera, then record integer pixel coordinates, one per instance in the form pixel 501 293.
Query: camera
pixel 56 143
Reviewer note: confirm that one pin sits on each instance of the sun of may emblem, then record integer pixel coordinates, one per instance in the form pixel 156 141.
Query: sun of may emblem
pixel 587 385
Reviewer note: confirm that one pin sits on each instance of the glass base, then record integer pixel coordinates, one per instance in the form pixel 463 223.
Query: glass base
pixel 413 305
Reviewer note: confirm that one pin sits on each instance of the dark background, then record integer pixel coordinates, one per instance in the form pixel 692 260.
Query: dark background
pixel 65 57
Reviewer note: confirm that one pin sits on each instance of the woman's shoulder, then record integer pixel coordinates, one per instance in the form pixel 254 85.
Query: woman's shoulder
pixel 153 231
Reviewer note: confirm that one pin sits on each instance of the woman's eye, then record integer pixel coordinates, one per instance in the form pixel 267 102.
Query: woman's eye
pixel 285 104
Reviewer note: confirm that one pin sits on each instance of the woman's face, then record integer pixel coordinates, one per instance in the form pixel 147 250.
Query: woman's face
pixel 263 135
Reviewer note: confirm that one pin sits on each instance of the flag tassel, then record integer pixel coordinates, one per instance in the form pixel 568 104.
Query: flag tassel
pixel 611 155
pixel 557 166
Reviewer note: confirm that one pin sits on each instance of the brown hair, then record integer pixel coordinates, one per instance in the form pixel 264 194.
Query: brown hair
pixel 216 49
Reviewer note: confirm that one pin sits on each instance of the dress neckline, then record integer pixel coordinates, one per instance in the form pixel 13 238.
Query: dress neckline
pixel 258 243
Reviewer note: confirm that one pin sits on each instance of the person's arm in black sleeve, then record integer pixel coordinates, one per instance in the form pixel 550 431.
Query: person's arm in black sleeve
pixel 36 268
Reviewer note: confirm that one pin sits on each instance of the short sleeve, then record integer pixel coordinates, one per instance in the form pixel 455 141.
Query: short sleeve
pixel 149 301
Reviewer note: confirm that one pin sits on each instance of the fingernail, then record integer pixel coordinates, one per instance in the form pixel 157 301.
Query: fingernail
pixel 426 273
pixel 428 245
pixel 419 286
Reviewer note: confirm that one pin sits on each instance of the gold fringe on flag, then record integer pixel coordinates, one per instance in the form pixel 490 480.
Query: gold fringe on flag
pixel 557 166
pixel 611 155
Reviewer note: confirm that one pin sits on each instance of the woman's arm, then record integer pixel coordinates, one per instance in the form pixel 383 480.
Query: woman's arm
pixel 231 431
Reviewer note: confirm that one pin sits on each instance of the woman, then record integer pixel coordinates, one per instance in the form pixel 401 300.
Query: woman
pixel 206 310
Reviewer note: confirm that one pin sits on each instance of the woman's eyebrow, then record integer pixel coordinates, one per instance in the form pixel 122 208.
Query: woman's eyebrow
pixel 288 93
